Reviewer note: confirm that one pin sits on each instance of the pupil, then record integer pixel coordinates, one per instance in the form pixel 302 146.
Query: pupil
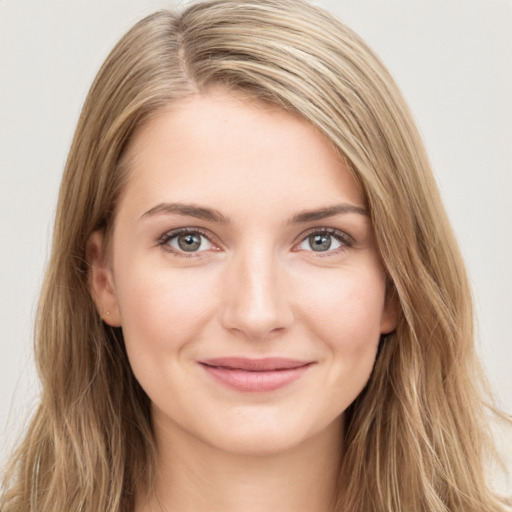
pixel 189 242
pixel 320 242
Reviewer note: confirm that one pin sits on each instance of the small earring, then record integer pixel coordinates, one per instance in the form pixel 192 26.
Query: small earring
pixel 107 313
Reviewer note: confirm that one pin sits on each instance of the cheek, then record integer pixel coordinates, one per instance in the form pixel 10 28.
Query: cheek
pixel 162 310
pixel 348 304
pixel 345 313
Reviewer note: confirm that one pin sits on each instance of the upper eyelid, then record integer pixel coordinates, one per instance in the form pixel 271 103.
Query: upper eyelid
pixel 331 231
pixel 178 231
pixel 163 241
pixel 168 235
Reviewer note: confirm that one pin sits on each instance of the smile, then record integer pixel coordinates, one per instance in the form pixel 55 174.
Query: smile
pixel 255 375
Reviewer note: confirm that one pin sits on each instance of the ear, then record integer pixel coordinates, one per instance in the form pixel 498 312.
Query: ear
pixel 100 280
pixel 390 311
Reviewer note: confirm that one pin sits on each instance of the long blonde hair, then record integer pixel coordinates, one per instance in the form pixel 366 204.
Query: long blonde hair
pixel 415 439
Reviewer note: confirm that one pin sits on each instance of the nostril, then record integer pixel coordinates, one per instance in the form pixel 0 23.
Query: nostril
pixel 256 321
pixel 255 302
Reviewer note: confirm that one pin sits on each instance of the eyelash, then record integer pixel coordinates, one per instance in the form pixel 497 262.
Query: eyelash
pixel 344 239
pixel 164 240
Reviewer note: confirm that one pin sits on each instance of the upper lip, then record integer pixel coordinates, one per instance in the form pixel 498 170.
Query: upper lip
pixel 254 365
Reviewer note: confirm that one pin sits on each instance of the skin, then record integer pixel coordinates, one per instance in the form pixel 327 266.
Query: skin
pixel 254 289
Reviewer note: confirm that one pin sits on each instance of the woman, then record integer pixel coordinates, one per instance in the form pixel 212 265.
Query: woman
pixel 254 301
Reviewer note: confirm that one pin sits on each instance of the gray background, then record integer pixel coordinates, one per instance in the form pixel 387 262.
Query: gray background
pixel 452 59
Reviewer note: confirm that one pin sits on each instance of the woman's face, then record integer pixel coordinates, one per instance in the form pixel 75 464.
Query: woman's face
pixel 244 274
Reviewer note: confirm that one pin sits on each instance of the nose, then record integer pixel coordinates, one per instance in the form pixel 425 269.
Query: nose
pixel 256 302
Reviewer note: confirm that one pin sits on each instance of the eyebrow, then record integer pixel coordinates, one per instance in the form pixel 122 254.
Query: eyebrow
pixel 323 213
pixel 188 210
pixel 210 214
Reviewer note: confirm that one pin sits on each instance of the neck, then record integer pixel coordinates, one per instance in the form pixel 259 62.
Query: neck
pixel 192 475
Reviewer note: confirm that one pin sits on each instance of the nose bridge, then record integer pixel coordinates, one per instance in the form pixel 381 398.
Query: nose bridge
pixel 256 302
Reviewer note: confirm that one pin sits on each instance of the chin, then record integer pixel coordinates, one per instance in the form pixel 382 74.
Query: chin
pixel 259 444
pixel 273 438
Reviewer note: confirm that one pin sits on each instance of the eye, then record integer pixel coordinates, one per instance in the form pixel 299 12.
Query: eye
pixel 326 241
pixel 186 241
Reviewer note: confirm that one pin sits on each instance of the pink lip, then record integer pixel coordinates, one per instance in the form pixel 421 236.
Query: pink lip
pixel 255 375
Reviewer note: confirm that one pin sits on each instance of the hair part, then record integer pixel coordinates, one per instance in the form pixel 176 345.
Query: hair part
pixel 414 438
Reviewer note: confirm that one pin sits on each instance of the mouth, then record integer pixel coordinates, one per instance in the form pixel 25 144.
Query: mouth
pixel 255 375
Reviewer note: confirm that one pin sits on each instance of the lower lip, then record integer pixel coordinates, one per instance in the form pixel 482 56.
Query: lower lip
pixel 256 381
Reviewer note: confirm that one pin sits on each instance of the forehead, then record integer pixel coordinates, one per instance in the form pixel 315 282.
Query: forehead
pixel 223 147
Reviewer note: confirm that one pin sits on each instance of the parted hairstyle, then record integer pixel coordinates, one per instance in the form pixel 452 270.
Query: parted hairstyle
pixel 415 439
